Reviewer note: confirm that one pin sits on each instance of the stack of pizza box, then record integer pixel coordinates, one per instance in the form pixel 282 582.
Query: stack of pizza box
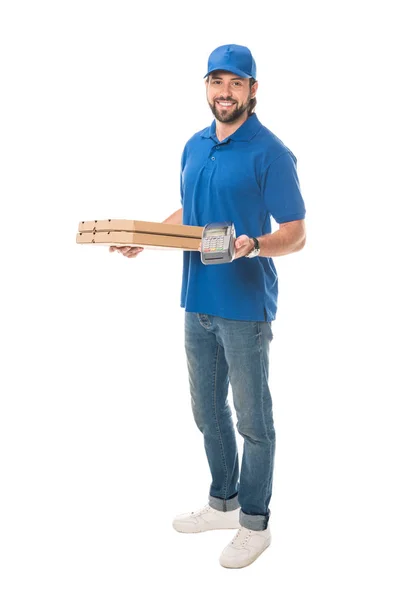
pixel 123 232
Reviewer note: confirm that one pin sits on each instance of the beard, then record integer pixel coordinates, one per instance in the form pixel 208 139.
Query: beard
pixel 229 115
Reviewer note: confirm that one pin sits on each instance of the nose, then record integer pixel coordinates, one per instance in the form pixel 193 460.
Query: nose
pixel 224 90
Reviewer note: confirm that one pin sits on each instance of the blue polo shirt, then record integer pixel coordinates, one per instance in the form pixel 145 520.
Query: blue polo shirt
pixel 247 178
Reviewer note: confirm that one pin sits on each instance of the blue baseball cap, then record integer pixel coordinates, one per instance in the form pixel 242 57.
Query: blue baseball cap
pixel 232 58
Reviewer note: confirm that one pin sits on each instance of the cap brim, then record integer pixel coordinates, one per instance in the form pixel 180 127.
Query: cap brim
pixel 230 70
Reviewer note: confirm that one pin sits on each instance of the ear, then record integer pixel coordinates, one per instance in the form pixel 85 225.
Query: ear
pixel 254 89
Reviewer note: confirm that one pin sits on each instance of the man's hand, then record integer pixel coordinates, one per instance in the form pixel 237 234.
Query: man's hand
pixel 243 245
pixel 128 251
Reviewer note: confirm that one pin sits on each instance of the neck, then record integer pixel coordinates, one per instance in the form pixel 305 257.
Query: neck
pixel 224 130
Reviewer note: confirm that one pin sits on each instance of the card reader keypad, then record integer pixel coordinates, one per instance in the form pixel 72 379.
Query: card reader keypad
pixel 213 244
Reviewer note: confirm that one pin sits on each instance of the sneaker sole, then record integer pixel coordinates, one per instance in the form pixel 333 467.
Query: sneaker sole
pixel 249 563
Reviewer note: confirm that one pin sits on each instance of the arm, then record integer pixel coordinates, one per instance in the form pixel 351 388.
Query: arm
pixel 175 218
pixel 290 237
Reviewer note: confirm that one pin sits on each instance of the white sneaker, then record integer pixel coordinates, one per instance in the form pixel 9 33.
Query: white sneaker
pixel 206 519
pixel 246 546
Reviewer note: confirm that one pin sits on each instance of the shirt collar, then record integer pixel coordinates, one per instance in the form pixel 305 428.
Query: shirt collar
pixel 245 133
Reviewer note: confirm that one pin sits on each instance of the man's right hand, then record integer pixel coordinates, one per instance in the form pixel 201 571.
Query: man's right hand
pixel 128 251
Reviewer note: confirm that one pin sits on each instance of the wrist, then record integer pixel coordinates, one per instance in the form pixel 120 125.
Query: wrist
pixel 255 250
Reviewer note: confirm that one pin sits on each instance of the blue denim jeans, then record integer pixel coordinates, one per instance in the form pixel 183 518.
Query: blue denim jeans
pixel 222 351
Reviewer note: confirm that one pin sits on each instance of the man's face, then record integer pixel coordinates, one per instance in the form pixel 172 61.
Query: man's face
pixel 228 95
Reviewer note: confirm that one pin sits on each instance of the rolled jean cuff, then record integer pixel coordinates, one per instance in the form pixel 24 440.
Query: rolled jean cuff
pixel 254 522
pixel 224 505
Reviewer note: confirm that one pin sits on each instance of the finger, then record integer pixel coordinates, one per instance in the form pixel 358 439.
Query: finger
pixel 241 241
pixel 135 251
pixel 132 252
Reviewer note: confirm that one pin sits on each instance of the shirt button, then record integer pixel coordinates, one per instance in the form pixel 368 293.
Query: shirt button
pixel 213 158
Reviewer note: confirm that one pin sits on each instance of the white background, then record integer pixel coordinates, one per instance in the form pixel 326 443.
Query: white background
pixel 99 450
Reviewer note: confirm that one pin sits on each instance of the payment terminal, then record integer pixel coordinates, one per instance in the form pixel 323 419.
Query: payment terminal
pixel 218 243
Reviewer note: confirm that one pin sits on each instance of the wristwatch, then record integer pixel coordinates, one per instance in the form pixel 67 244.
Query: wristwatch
pixel 256 249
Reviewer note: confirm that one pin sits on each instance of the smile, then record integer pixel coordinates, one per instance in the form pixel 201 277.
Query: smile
pixel 225 104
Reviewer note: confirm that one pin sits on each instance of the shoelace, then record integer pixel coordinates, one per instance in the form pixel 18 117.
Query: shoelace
pixel 239 534
pixel 201 511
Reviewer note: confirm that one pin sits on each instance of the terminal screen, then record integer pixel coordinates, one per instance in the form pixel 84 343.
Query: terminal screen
pixel 215 232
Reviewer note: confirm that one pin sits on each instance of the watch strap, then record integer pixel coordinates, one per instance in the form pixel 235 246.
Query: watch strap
pixel 256 249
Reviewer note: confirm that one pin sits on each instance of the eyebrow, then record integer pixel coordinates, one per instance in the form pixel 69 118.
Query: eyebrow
pixel 232 78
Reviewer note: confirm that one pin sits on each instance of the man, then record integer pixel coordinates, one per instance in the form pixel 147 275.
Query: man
pixel 235 170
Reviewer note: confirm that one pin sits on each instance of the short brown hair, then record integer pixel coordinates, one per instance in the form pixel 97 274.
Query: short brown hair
pixel 253 101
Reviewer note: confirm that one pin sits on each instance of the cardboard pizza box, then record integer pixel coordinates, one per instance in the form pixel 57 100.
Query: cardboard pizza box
pixel 141 227
pixel 128 238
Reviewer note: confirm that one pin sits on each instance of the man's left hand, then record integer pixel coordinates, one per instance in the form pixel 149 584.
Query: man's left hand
pixel 243 245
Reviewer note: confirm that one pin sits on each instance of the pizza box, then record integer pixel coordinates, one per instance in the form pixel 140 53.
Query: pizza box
pixel 141 227
pixel 129 238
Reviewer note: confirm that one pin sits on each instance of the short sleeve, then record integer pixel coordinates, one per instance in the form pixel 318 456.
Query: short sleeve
pixel 281 190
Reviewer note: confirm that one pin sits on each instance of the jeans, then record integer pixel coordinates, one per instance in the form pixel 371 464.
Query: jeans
pixel 222 351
